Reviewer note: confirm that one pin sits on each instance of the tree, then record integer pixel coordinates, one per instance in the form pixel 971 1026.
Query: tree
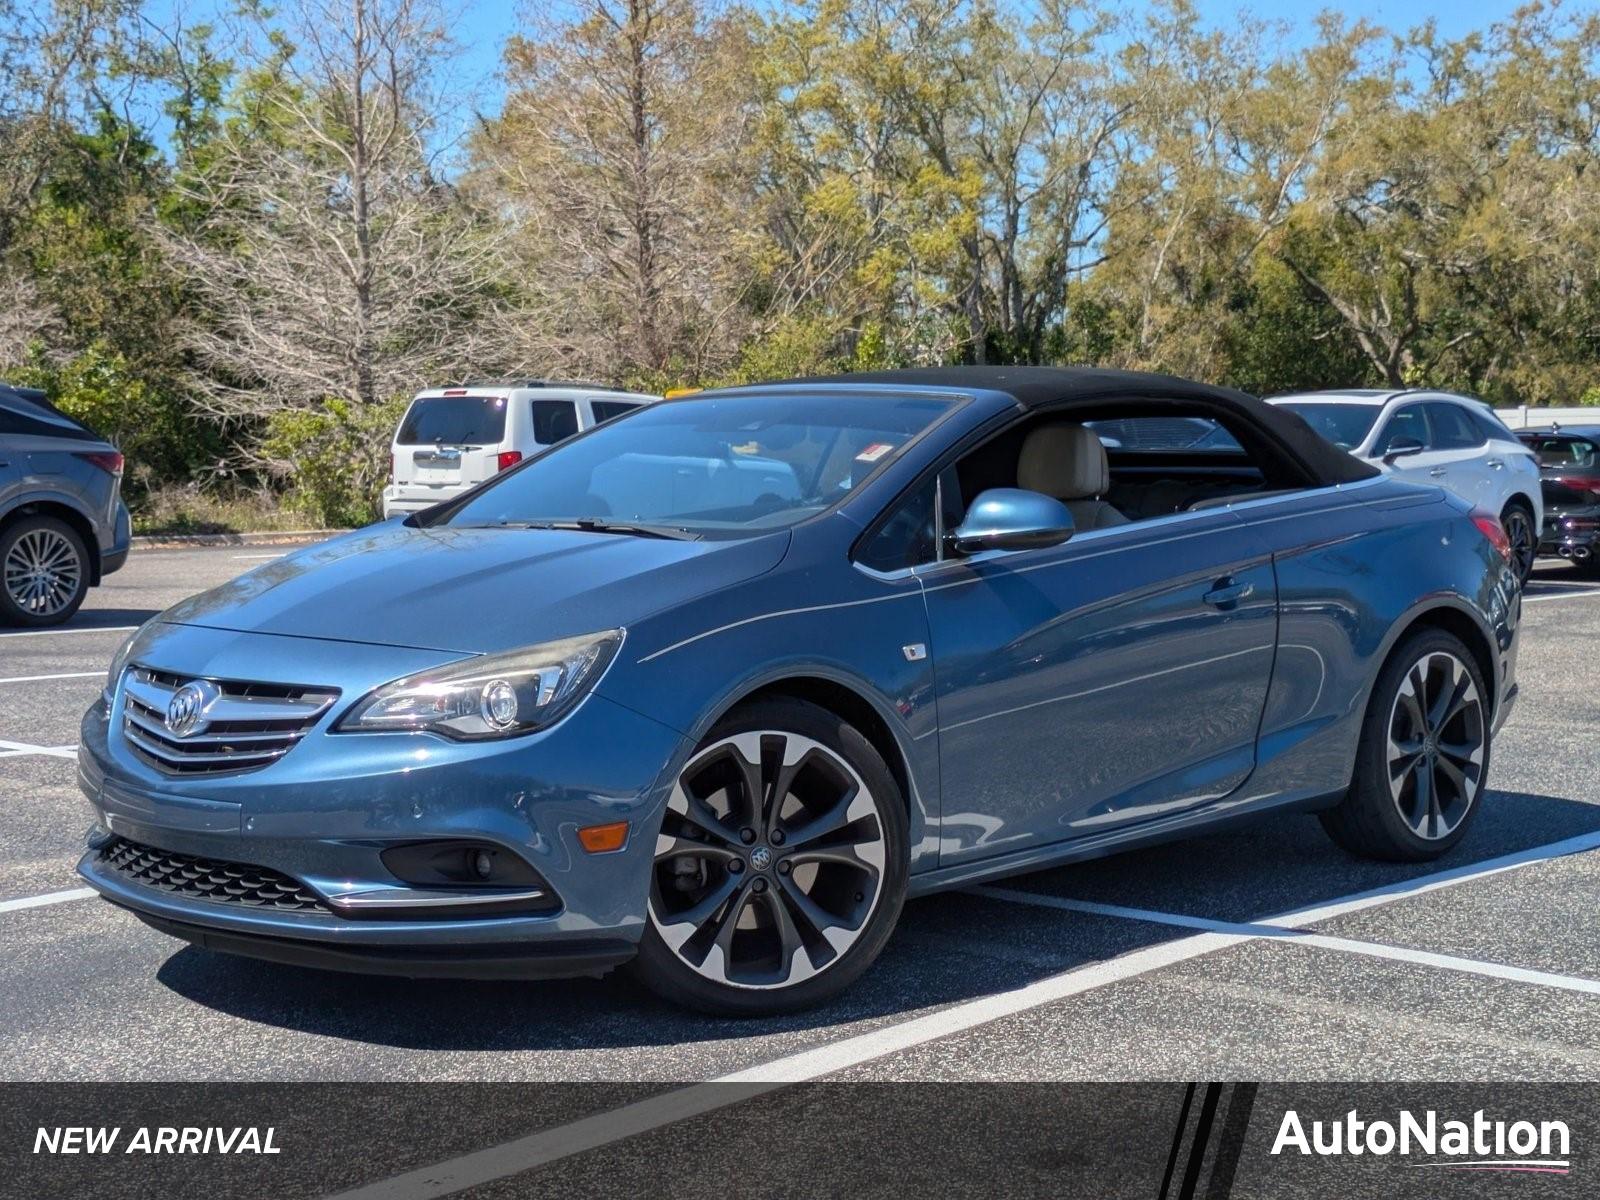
pixel 327 256
pixel 618 160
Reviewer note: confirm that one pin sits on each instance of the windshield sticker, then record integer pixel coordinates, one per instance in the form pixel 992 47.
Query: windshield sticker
pixel 874 452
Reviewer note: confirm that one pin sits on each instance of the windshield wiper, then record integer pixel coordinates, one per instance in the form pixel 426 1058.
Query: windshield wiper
pixel 628 528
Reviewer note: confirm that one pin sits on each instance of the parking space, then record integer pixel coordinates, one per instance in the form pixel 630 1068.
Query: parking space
pixel 1259 953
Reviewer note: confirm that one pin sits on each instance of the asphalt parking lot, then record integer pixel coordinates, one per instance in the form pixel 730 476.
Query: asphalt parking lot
pixel 1258 954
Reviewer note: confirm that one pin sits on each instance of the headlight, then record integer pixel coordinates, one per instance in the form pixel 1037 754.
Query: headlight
pixel 119 661
pixel 495 697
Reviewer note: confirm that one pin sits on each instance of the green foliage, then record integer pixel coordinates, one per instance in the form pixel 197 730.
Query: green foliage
pixel 333 460
pixel 810 187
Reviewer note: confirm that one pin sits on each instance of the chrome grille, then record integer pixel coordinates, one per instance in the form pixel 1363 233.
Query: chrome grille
pixel 208 878
pixel 242 726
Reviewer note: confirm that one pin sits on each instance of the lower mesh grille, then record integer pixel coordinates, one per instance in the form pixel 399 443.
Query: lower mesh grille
pixel 208 878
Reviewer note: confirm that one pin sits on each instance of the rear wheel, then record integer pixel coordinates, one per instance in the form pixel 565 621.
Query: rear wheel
pixel 44 572
pixel 1517 519
pixel 780 868
pixel 1423 755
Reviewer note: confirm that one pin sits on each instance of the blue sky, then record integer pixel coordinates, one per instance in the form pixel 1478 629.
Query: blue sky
pixel 484 25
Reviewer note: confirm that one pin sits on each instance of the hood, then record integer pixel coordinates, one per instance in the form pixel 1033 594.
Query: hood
pixel 473 591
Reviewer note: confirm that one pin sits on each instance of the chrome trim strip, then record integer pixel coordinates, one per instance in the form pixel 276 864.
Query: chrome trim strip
pixel 407 898
pixel 178 758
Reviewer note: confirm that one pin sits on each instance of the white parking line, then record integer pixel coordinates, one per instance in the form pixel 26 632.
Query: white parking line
pixel 63 675
pixel 240 557
pixel 12 749
pixel 64 632
pixel 47 898
pixel 550 1145
pixel 1562 596
pixel 1301 937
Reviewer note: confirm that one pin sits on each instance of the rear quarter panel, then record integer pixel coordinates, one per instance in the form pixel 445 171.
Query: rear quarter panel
pixel 1357 567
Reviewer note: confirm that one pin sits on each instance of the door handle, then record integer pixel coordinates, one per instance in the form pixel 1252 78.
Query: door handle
pixel 1494 463
pixel 1226 593
pixel 1437 471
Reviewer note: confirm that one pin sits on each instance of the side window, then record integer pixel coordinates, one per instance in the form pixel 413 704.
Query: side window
pixel 1453 428
pixel 604 410
pixel 1491 425
pixel 909 536
pixel 554 421
pixel 38 420
pixel 1407 422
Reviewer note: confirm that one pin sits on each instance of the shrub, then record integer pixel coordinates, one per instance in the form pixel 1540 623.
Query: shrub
pixel 333 459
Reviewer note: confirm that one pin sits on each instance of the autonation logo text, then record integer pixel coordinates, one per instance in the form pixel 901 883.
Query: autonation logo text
pixel 1480 1144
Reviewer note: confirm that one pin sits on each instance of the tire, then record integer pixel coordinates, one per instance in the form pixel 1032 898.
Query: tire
pixel 44 572
pixel 1418 781
pixel 760 908
pixel 1517 521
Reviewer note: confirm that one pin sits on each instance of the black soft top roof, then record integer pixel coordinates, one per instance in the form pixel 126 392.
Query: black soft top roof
pixel 1039 387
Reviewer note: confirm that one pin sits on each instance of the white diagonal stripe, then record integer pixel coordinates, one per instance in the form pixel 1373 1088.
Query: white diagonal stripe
pixel 547 1146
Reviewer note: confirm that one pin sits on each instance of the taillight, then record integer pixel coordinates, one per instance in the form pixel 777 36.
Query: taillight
pixel 1489 525
pixel 391 466
pixel 509 458
pixel 1583 483
pixel 108 461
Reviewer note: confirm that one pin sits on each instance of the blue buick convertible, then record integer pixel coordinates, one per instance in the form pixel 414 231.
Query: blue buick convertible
pixel 713 688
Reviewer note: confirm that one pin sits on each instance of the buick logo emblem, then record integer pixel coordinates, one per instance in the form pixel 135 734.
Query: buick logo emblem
pixel 185 708
pixel 761 858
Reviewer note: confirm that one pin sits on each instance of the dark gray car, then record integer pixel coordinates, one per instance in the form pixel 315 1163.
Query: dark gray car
pixel 63 525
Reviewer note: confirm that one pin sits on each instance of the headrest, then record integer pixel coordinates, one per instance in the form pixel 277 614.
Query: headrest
pixel 1063 460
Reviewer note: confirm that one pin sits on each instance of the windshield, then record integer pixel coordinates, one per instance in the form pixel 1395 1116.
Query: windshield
pixel 1345 425
pixel 709 464
pixel 454 421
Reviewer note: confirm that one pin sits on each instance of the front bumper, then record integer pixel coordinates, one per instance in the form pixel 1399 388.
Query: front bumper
pixel 511 961
pixel 324 814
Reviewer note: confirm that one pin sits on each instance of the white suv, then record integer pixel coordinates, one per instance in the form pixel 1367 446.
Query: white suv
pixel 1441 438
pixel 452 439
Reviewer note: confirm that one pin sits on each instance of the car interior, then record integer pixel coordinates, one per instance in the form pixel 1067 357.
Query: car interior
pixel 1116 466
pixel 1111 466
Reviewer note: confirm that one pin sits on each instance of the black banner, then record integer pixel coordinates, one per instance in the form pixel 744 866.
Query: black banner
pixel 1154 1141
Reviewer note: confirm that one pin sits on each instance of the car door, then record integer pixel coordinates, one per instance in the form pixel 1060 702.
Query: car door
pixel 1410 421
pixel 1459 445
pixel 1115 678
pixel 10 461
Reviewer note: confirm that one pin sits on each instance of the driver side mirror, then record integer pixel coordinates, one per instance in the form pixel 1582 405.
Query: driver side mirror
pixel 1012 519
pixel 1402 447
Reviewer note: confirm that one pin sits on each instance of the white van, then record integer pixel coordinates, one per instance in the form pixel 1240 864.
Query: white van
pixel 453 438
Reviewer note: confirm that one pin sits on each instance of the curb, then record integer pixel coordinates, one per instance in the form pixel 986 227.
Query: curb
pixel 178 541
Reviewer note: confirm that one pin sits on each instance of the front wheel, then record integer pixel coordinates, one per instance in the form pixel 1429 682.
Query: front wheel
pixel 780 868
pixel 1423 755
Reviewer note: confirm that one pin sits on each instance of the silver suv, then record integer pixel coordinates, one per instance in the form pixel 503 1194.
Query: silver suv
pixel 63 525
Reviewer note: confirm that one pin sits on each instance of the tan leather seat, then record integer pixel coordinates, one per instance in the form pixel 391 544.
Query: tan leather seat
pixel 1068 462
